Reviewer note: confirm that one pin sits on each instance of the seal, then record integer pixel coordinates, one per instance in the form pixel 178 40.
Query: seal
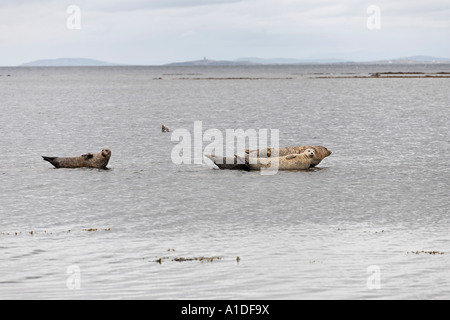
pixel 300 161
pixel 320 153
pixel 95 161
pixel 228 163
pixel 164 128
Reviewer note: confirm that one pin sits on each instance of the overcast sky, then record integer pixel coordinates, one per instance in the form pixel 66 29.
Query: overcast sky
pixel 163 31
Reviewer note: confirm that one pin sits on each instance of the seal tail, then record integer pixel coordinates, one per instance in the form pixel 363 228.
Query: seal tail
pixel 51 160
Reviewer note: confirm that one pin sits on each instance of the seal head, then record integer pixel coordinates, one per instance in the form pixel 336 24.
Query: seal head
pixel 106 153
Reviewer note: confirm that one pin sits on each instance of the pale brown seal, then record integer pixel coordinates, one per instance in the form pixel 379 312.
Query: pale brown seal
pixel 301 161
pixel 320 153
pixel 164 128
pixel 96 161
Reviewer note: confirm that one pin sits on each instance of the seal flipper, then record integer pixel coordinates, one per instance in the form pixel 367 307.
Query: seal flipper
pixel 87 156
pixel 51 160
pixel 291 156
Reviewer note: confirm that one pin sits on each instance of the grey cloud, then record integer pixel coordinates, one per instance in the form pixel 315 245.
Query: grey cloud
pixel 131 5
pixel 142 31
pixel 119 5
pixel 18 3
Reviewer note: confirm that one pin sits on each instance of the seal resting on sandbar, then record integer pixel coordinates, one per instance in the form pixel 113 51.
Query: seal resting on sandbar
pixel 320 153
pixel 301 161
pixel 95 161
pixel 228 163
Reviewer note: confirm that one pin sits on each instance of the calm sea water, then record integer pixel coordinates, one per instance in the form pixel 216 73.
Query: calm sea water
pixel 346 230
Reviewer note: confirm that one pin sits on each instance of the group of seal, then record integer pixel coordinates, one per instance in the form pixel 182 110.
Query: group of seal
pixel 290 158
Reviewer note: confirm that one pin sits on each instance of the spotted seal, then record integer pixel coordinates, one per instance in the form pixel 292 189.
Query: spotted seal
pixel 299 161
pixel 96 161
pixel 164 128
pixel 320 153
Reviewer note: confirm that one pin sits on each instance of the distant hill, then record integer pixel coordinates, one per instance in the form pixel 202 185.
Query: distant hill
pixel 427 59
pixel 81 62
pixel 406 60
pixel 411 60
pixel 68 62
pixel 291 61
pixel 206 62
pixel 287 61
pixel 254 61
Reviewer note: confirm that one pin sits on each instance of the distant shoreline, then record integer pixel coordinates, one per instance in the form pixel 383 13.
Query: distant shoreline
pixel 356 64
pixel 83 62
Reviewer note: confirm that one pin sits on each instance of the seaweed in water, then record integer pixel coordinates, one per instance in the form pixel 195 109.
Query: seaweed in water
pixel 428 252
pixel 182 259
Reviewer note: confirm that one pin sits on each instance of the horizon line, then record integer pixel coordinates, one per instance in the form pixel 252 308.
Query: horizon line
pixel 294 61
